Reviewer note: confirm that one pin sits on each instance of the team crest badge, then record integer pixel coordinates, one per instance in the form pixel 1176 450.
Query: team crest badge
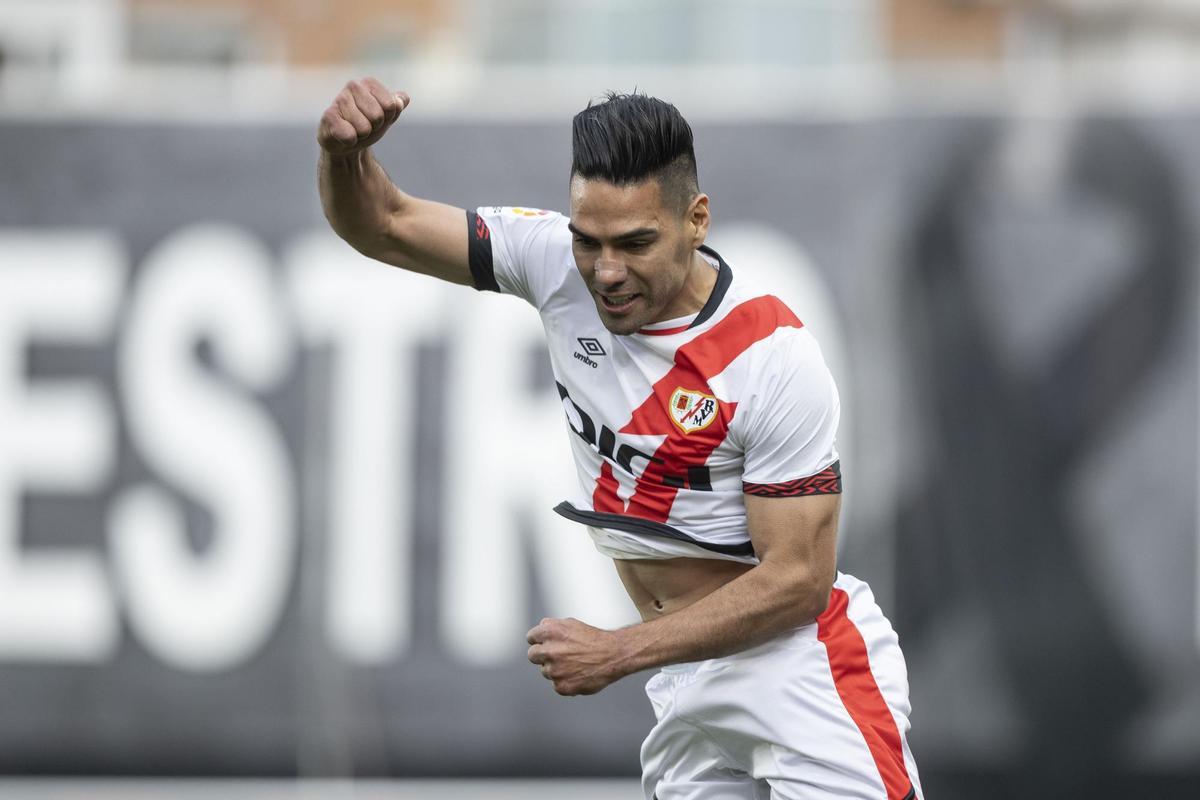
pixel 693 411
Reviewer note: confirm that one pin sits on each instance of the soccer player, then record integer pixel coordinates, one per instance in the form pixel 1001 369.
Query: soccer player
pixel 702 421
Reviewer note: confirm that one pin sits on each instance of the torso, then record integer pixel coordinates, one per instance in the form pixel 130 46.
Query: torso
pixel 657 420
pixel 659 587
pixel 671 425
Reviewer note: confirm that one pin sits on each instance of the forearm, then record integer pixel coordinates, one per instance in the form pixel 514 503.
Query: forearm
pixel 358 198
pixel 796 541
pixel 749 610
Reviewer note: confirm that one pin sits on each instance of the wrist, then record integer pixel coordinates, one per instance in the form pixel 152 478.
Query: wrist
pixel 352 161
pixel 634 650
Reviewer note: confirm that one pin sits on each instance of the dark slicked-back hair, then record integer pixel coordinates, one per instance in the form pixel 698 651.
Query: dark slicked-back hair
pixel 630 138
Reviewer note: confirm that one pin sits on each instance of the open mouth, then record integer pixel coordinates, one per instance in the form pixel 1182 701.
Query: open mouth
pixel 618 303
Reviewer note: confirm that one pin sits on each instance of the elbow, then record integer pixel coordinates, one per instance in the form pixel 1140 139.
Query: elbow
pixel 371 242
pixel 812 595
pixel 816 603
pixel 357 230
pixel 346 229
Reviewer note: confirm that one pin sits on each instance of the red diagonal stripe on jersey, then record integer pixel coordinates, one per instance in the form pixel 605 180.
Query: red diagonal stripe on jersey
pixel 604 498
pixel 860 694
pixel 695 362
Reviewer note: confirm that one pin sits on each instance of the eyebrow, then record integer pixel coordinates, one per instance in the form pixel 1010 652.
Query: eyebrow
pixel 637 233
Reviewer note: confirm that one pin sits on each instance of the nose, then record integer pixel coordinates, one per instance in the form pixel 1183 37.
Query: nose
pixel 609 271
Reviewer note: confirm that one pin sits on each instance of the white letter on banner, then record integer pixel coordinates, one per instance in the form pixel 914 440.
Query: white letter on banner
pixel 373 319
pixel 199 430
pixel 55 436
pixel 508 463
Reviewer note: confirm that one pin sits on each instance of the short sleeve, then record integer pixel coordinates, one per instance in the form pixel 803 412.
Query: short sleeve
pixel 521 251
pixel 790 428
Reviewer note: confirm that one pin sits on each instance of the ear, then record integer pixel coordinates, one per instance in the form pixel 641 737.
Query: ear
pixel 698 218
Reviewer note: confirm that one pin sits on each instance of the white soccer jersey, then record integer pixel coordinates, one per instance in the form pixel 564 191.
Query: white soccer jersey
pixel 669 426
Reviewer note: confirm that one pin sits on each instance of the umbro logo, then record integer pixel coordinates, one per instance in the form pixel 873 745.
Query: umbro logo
pixel 591 347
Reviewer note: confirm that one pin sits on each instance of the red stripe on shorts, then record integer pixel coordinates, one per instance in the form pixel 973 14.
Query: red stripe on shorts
pixel 860 694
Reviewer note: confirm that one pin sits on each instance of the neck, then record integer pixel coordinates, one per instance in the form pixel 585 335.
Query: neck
pixel 700 283
pixel 697 288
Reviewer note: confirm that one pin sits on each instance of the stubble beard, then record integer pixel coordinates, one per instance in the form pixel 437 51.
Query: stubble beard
pixel 618 326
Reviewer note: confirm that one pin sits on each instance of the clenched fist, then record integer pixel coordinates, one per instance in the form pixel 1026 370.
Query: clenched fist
pixel 576 657
pixel 359 116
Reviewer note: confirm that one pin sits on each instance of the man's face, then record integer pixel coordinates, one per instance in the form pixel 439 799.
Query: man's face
pixel 635 253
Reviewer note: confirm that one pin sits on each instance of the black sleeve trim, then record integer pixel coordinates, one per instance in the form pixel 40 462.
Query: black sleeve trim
pixel 479 254
pixel 827 481
pixel 646 527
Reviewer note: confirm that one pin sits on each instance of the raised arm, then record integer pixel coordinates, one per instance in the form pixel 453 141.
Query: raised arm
pixel 362 203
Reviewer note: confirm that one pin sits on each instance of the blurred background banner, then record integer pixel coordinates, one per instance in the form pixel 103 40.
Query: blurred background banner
pixel 268 509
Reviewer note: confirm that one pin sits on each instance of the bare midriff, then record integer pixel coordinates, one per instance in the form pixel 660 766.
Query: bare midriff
pixel 663 586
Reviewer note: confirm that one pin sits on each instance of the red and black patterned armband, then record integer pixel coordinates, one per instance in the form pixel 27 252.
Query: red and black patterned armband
pixel 479 254
pixel 827 481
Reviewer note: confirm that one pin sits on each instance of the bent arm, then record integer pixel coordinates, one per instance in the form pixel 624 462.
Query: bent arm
pixel 796 542
pixel 366 208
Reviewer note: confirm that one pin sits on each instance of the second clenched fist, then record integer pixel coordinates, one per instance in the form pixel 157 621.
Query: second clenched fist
pixel 359 116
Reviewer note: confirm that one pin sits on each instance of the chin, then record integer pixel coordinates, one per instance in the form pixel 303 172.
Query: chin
pixel 621 326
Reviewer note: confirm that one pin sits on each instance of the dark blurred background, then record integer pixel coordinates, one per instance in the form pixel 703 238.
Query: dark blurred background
pixel 272 512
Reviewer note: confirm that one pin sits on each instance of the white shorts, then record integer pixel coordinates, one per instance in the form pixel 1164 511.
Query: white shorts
pixel 819 712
